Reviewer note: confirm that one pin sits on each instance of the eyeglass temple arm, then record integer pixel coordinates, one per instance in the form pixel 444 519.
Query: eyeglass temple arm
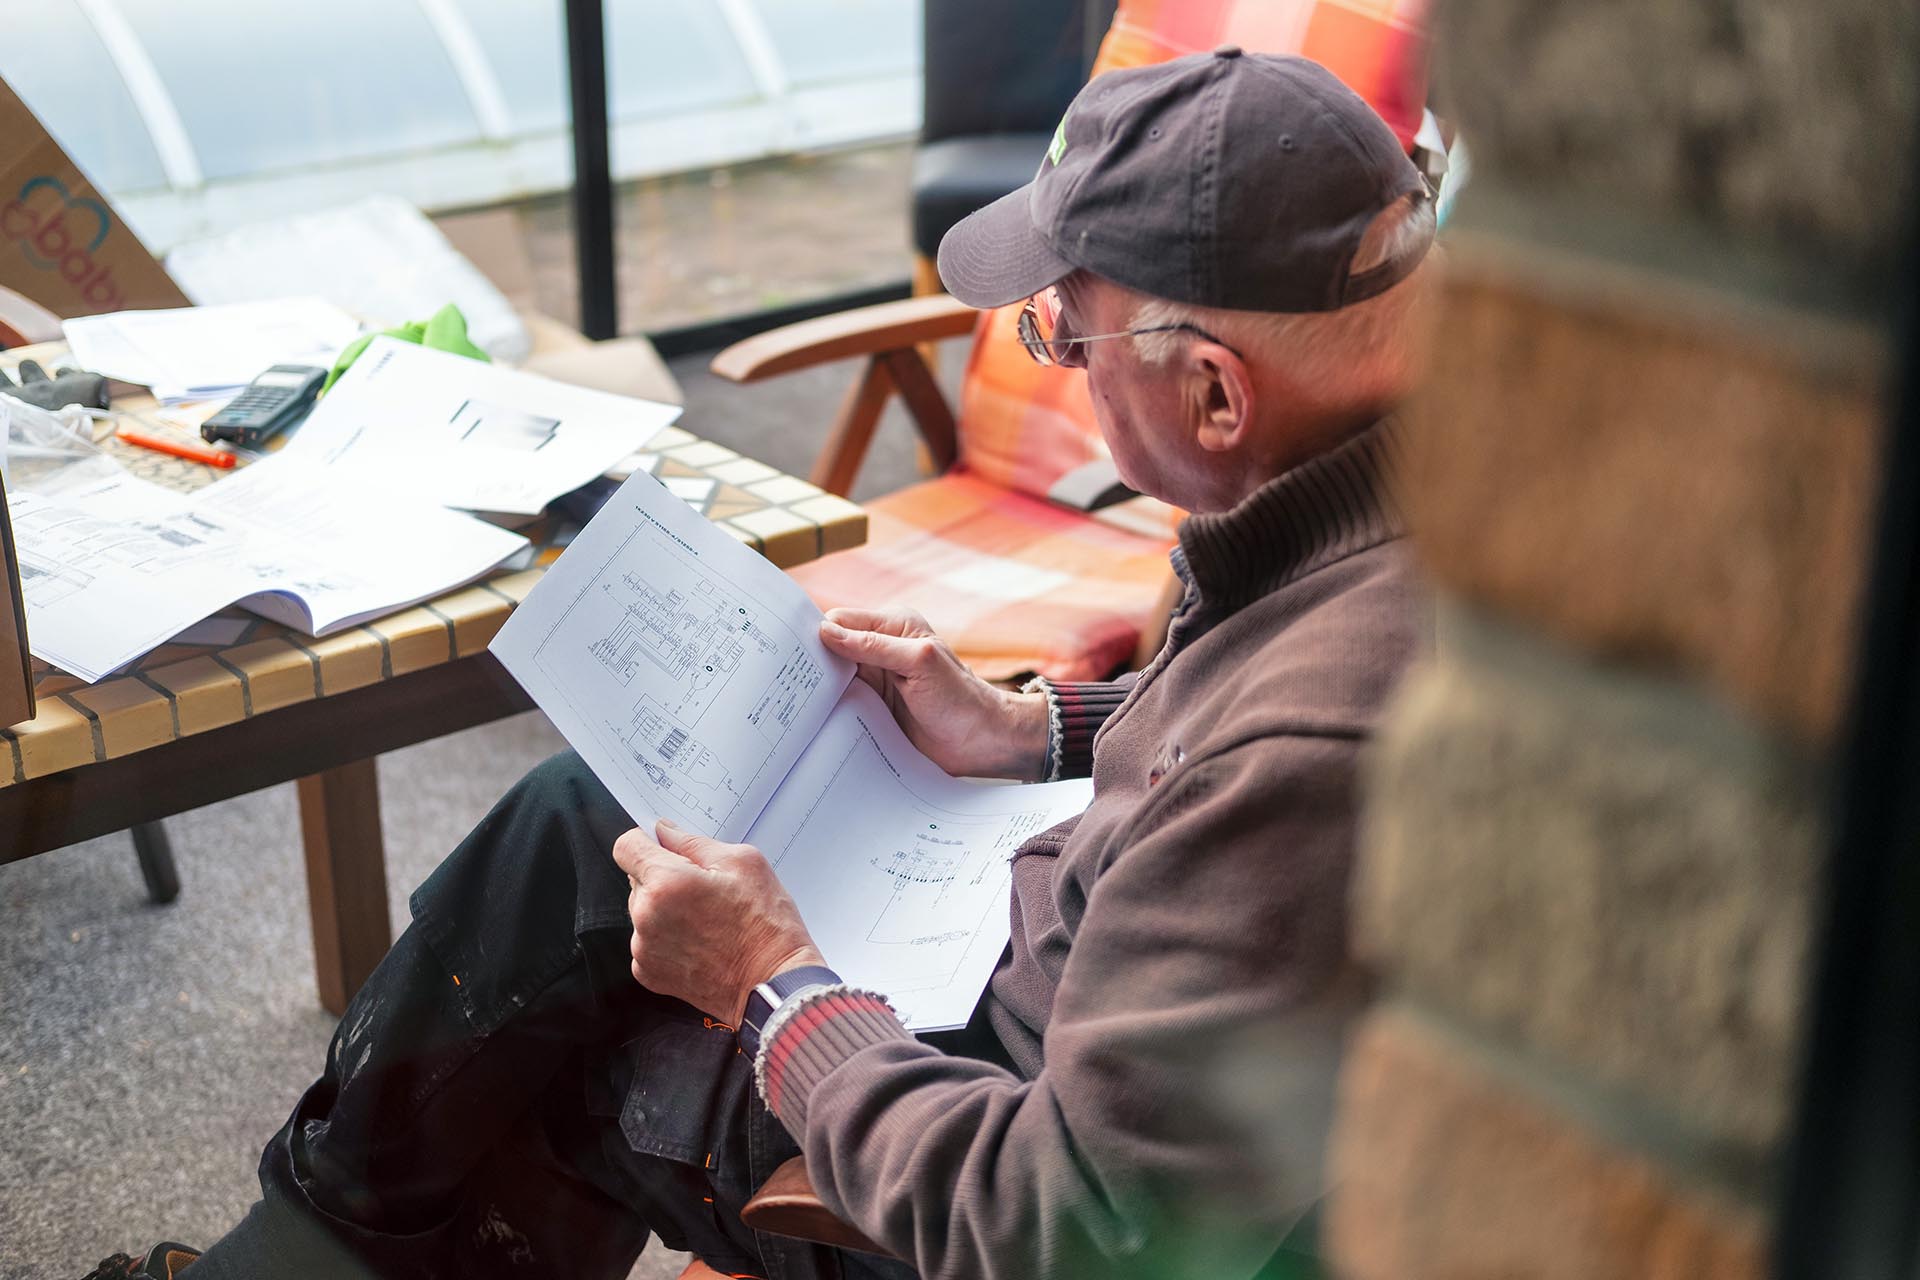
pixel 1123 333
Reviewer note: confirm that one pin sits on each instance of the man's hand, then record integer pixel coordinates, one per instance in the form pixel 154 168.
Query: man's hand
pixel 965 725
pixel 710 921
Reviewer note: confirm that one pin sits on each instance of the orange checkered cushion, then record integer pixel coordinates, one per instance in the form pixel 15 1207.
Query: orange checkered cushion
pixel 1014 583
pixel 1023 425
pixel 1378 48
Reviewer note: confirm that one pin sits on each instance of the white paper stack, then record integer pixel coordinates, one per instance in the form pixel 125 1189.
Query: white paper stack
pixel 471 435
pixel 209 353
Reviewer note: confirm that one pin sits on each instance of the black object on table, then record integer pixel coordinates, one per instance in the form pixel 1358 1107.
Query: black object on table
pixel 56 390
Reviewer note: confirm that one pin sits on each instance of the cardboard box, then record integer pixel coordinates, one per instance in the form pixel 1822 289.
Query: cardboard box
pixel 61 243
pixel 16 669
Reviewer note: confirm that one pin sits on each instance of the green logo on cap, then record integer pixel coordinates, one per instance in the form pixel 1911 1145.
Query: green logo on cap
pixel 1058 147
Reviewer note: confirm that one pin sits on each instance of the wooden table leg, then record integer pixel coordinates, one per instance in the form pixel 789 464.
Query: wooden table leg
pixel 346 878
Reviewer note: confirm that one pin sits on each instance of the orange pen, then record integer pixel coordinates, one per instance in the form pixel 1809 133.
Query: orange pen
pixel 191 452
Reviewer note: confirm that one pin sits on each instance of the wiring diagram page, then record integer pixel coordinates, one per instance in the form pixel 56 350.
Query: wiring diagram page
pixel 114 567
pixel 901 872
pixel 111 569
pixel 685 669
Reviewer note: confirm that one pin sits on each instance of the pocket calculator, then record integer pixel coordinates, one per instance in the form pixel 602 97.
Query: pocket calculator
pixel 276 399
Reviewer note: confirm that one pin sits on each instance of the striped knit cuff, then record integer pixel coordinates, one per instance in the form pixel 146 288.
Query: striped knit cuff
pixel 1075 712
pixel 808 1037
pixel 1050 766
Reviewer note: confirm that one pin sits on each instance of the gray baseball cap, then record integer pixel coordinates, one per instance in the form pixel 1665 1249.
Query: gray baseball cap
pixel 1223 179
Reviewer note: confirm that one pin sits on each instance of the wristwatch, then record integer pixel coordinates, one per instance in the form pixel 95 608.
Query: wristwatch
pixel 774 992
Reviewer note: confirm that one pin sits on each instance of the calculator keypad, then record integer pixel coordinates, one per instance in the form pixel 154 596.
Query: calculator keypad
pixel 251 404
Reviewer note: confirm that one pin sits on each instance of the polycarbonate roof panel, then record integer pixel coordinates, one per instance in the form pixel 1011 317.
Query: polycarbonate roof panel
pixel 663 56
pixel 826 40
pixel 668 56
pixel 526 46
pixel 264 87
pixel 52 57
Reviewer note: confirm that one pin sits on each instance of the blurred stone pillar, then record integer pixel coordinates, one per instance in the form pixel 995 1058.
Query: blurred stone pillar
pixel 1642 480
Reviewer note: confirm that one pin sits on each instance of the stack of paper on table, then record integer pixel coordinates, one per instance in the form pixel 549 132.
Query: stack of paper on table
pixel 344 524
pixel 688 672
pixel 114 566
pixel 209 353
pixel 472 435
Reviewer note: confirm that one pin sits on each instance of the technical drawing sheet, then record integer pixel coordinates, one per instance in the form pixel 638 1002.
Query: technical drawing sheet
pixel 685 669
pixel 689 675
pixel 114 567
pixel 901 872
pixel 333 551
pixel 212 351
pixel 472 435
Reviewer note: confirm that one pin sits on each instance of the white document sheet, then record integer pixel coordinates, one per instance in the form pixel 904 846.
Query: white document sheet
pixel 685 669
pixel 114 568
pixel 202 352
pixel 473 435
pixel 688 673
pixel 901 872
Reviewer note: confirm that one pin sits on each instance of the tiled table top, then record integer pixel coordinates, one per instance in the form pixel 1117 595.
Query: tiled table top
pixel 238 665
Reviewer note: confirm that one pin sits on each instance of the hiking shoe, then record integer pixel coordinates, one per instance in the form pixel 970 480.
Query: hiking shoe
pixel 164 1261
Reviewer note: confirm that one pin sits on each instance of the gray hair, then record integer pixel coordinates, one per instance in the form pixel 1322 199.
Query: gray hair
pixel 1362 354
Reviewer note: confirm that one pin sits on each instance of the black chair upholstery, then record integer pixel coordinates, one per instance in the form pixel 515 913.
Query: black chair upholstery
pixel 998 76
pixel 955 176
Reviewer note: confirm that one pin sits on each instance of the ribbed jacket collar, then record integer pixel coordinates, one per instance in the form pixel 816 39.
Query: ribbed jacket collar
pixel 1321 511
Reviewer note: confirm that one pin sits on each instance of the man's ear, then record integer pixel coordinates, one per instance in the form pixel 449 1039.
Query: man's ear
pixel 1222 395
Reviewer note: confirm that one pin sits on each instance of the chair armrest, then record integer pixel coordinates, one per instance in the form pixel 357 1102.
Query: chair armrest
pixel 785 1205
pixel 864 331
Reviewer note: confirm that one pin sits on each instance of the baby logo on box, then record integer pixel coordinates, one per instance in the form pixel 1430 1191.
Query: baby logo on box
pixel 62 245
pixel 60 232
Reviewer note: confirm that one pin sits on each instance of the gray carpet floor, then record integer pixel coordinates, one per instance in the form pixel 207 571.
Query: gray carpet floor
pixel 147 1052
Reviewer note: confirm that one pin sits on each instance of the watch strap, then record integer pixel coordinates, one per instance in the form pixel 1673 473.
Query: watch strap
pixel 775 991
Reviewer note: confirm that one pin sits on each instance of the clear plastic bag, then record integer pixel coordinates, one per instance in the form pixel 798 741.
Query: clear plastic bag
pixel 41 444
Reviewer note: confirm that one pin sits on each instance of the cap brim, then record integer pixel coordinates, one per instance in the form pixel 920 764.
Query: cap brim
pixel 995 255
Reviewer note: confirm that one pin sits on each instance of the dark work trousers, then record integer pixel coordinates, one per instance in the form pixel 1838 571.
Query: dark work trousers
pixel 502 1098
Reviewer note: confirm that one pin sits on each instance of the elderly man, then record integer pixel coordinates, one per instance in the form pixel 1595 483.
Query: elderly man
pixel 546 1068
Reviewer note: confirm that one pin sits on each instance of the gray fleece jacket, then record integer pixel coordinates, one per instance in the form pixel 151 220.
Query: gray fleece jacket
pixel 1178 960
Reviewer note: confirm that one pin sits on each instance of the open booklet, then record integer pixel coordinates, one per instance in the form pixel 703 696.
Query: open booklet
pixel 688 672
pixel 112 566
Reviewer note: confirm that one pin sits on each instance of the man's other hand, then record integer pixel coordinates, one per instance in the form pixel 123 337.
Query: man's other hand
pixel 710 920
pixel 966 726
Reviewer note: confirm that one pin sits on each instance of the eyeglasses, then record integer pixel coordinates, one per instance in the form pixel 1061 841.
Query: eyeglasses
pixel 1041 315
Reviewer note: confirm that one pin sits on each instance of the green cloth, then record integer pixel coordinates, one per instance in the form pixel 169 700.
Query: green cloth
pixel 446 331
